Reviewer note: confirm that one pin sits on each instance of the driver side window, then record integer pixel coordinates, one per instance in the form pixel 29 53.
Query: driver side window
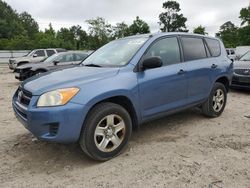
pixel 167 49
pixel 66 58
pixel 39 53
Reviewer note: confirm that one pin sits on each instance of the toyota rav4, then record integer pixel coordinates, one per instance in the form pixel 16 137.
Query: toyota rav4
pixel 122 85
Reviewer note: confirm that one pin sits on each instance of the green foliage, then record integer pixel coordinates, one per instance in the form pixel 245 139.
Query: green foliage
pixel 245 15
pixel 229 34
pixel 200 30
pixel 120 30
pixel 138 27
pixel 21 31
pixel 171 20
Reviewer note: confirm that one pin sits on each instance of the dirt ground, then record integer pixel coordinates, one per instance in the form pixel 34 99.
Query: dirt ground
pixel 182 150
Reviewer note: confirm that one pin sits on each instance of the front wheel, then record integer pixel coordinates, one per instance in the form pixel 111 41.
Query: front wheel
pixel 216 102
pixel 106 131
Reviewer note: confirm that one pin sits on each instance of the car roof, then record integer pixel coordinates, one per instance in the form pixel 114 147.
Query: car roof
pixel 160 34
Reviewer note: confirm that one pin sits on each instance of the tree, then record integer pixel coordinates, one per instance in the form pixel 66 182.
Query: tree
pixel 245 15
pixel 29 24
pixel 229 34
pixel 171 20
pixel 138 27
pixel 120 30
pixel 200 30
pixel 100 32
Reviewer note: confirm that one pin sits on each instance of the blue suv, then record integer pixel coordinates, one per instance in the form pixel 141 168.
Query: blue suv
pixel 122 85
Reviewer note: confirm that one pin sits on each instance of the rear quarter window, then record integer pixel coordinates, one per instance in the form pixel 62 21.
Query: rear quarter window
pixel 214 47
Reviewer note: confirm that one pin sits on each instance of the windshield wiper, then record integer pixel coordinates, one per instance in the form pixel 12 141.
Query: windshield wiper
pixel 92 65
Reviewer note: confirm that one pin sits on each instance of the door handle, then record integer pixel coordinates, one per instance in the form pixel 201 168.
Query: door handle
pixel 214 66
pixel 181 72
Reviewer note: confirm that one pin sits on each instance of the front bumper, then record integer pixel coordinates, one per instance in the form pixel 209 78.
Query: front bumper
pixel 22 75
pixel 60 124
pixel 240 81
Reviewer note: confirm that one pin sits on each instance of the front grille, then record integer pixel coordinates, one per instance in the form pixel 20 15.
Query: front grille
pixel 23 96
pixel 242 71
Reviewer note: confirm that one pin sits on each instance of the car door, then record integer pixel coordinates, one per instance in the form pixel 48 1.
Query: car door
pixel 164 88
pixel 63 61
pixel 39 55
pixel 199 67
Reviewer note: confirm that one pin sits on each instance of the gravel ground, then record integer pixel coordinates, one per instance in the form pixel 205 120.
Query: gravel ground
pixel 182 150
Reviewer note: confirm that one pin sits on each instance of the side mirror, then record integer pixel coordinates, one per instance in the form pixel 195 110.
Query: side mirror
pixel 34 55
pixel 151 62
pixel 56 62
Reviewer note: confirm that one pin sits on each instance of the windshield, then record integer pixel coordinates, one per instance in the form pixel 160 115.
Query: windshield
pixel 116 53
pixel 30 53
pixel 245 57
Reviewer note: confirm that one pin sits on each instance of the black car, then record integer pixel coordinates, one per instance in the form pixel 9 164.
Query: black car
pixel 241 76
pixel 56 61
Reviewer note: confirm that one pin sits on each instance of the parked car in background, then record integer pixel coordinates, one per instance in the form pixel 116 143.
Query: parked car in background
pixel 241 76
pixel 231 53
pixel 33 57
pixel 240 51
pixel 56 61
pixel 123 84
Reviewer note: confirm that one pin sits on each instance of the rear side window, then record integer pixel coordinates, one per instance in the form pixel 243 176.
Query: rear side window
pixel 193 48
pixel 167 49
pixel 214 47
pixel 50 52
pixel 60 50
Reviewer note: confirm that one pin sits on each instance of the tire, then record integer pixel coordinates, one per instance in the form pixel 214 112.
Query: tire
pixel 106 131
pixel 216 101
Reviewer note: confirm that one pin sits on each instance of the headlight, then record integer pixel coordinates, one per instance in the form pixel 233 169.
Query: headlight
pixel 57 97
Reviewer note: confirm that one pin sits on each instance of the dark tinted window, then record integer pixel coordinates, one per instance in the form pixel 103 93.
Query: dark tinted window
pixel 193 48
pixel 167 49
pixel 214 46
pixel 232 52
pixel 80 57
pixel 228 52
pixel 40 53
pixel 50 52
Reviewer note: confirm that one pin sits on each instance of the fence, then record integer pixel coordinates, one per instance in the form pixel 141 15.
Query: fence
pixel 5 55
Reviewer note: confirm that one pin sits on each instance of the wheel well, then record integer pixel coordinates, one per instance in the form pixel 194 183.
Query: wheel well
pixel 22 63
pixel 224 80
pixel 127 104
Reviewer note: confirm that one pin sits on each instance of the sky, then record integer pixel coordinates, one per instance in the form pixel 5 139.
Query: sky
pixel 64 13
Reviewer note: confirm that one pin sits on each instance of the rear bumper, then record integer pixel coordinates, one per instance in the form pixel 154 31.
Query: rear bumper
pixel 60 124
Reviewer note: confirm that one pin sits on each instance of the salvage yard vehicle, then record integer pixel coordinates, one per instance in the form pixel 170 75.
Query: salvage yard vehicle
pixel 231 53
pixel 123 84
pixel 56 61
pixel 241 75
pixel 33 57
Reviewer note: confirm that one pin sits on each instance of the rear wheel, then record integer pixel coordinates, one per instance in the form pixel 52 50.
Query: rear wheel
pixel 216 102
pixel 106 131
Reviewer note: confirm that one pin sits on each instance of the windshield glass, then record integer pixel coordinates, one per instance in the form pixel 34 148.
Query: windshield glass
pixel 30 53
pixel 245 57
pixel 116 53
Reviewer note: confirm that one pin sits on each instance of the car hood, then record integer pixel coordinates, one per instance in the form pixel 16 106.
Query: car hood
pixel 30 65
pixel 25 58
pixel 242 65
pixel 71 77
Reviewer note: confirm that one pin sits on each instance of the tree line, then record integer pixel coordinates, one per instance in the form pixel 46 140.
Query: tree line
pixel 21 31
